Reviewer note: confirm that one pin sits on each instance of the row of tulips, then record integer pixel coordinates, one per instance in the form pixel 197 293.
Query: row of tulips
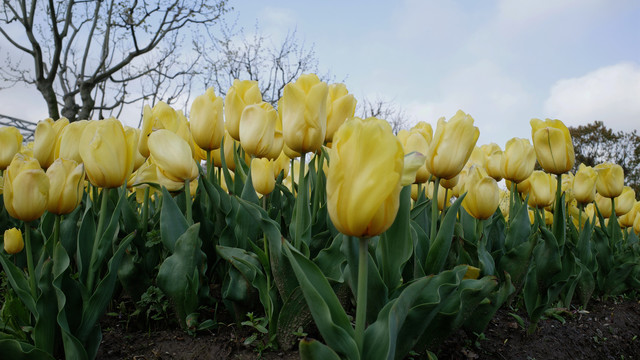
pixel 411 230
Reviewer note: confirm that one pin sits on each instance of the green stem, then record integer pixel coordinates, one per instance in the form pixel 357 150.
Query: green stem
pixel 32 273
pixel 434 210
pixel 56 230
pixel 187 202
pixel 209 166
pixel 361 300
pixel 580 209
pixel 299 203
pixel 96 240
pixel 511 199
pixel 317 191
pixel 293 182
pixel 145 213
pixel 444 204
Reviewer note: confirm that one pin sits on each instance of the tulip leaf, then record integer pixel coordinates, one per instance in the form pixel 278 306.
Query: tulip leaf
pixel 69 230
pixel 18 350
pixel 293 315
pixel 482 315
pixel 439 248
pixel 311 349
pixel 19 283
pixel 519 227
pixel 331 260
pixel 560 220
pixel 248 192
pixel 172 222
pixel 329 316
pixel 46 306
pixel 86 236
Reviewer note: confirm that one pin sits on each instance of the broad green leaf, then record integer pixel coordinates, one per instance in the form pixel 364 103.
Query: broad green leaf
pixel 311 349
pixel 172 222
pixel 439 249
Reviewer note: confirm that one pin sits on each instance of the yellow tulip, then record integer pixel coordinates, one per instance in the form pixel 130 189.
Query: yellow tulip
pixel 604 205
pixel 494 166
pixel 258 134
pixel 363 182
pixel 240 94
pixel 450 183
pixel 553 145
pixel 10 143
pixel 340 106
pixel 452 145
pixel 26 189
pixel 205 120
pixel 624 203
pixel 282 163
pixel 543 189
pixel 629 218
pixel 172 155
pixel 636 224
pixel 107 152
pixel 477 158
pixel 472 273
pixel 161 116
pixel 13 242
pixel 584 184
pixel 416 141
pixel 67 144
pixel 230 147
pixel 304 117
pixel 504 203
pixel 425 128
pixel 414 192
pixel 134 133
pixel 610 179
pixel 45 138
pixel 548 217
pixel 483 195
pixel 262 170
pixel 518 160
pixel 66 179
pixel 412 164
pixel 458 189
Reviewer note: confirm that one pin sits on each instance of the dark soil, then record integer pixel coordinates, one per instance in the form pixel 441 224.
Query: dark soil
pixel 607 330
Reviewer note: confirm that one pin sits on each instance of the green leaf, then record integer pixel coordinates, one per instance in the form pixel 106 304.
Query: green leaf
pixel 439 248
pixel 86 236
pixel 19 283
pixel 45 328
pixel 248 192
pixel 311 349
pixel 172 222
pixel 18 350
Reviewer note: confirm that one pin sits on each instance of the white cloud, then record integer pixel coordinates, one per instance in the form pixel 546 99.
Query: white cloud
pixel 610 94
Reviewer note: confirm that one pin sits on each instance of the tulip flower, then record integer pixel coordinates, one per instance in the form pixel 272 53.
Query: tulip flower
pixel 610 179
pixel 240 94
pixel 206 122
pixel 304 117
pixel 450 183
pixel 604 205
pixel 426 130
pixel 66 179
pixel 282 163
pixel 26 189
pixel 494 166
pixel 416 141
pixel 636 224
pixel 624 203
pixel 451 146
pixel 412 164
pixel 518 160
pixel 258 134
pixel 543 189
pixel 10 142
pixel 262 175
pixel 504 203
pixel 629 218
pixel 340 106
pixel 45 138
pixel 553 145
pixel 172 155
pixel 161 116
pixel 67 144
pixel 483 195
pixel 13 242
pixel 230 147
pixel 458 189
pixel 138 158
pixel 363 183
pixel 584 184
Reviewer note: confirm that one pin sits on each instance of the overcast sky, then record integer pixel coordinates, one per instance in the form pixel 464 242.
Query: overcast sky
pixel 502 61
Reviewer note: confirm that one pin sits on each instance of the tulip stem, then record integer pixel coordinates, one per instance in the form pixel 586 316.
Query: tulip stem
pixel 361 300
pixel 32 273
pixel 145 214
pixel 209 167
pixel 434 210
pixel 580 209
pixel 293 182
pixel 101 220
pixel 317 192
pixel 187 201
pixel 444 204
pixel 299 204
pixel 56 231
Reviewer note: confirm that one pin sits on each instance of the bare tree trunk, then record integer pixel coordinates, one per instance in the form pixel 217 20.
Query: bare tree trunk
pixel 87 101
pixel 49 95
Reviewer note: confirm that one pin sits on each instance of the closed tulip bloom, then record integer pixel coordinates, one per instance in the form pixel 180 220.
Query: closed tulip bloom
pixel 494 166
pixel 282 163
pixel 450 183
pixel 340 106
pixel 636 224
pixel 624 203
pixel 161 116
pixel 584 184
pixel 415 141
pixel 543 189
pixel 610 179
pixel 452 145
pixel 67 144
pixel 262 175
pixel 304 117
pixel 258 134
pixel 477 157
pixel 206 120
pixel 26 189
pixel 628 219
pixel 134 134
pixel 458 188
pixel 483 195
pixel 412 163
pixel 13 242
pixel 518 160
pixel 504 203
pixel 604 205
pixel 240 94
pixel 172 155
pixel 553 145
pixel 45 138
pixel 363 183
pixel 10 143
pixel 425 128
pixel 107 152
pixel 66 186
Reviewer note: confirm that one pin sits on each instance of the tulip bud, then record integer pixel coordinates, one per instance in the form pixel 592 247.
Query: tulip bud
pixel 584 184
pixel 26 189
pixel 518 160
pixel 107 152
pixel 636 224
pixel 10 142
pixel 304 117
pixel 67 144
pixel 262 175
pixel 45 138
pixel 494 166
pixel 172 155
pixel 553 145
pixel 628 219
pixel 416 141
pixel 483 195
pixel 504 203
pixel 604 205
pixel 13 242
pixel 543 189
pixel 610 179
pixel 363 182
pixel 206 122
pixel 340 106
pixel 258 134
pixel 624 203
pixel 450 183
pixel 66 179
pixel 240 94
pixel 412 164
pixel 452 145
pixel 282 163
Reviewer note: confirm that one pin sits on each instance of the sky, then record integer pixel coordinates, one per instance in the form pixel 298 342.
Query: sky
pixel 501 61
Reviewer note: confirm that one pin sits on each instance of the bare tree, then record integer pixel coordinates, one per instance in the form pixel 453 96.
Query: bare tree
pixel 87 54
pixel 386 110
